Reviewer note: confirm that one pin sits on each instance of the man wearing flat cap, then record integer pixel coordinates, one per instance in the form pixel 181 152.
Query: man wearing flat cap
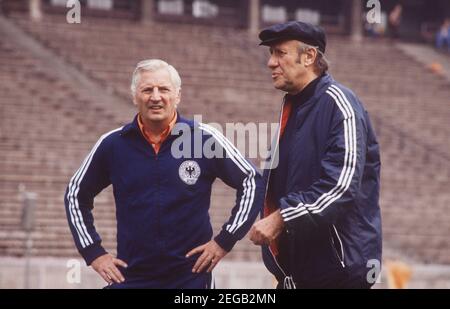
pixel 321 224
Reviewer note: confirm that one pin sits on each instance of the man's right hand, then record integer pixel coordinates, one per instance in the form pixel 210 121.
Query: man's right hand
pixel 105 266
pixel 266 230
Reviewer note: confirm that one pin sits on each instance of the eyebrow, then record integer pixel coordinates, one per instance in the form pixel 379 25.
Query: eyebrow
pixel 277 49
pixel 153 86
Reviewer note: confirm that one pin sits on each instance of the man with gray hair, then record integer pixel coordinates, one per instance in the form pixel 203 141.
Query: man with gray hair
pixel 321 225
pixel 164 234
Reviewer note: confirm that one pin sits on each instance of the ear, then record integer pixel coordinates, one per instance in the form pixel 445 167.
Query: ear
pixel 310 56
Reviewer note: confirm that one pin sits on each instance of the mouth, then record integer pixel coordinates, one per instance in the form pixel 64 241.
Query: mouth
pixel 155 107
pixel 275 75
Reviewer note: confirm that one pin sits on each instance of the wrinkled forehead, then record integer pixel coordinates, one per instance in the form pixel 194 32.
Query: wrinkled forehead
pixel 159 77
pixel 284 44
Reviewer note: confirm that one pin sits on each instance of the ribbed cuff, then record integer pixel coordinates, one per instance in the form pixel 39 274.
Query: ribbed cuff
pixel 92 252
pixel 225 240
pixel 283 202
pixel 305 222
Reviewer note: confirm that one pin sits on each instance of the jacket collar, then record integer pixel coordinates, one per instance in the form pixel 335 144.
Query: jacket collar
pixel 304 95
pixel 317 87
pixel 133 127
pixel 325 81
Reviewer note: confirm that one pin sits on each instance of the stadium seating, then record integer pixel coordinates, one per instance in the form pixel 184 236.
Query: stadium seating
pixel 48 125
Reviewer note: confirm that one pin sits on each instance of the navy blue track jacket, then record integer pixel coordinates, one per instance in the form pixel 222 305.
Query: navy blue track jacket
pixel 329 195
pixel 162 201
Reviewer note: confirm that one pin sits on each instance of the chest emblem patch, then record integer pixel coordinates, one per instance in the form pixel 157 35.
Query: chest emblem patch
pixel 189 172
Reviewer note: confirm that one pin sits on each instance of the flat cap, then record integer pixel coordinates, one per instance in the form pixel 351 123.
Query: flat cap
pixel 294 30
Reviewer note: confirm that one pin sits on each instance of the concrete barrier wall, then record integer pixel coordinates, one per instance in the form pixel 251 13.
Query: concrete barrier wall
pixel 70 273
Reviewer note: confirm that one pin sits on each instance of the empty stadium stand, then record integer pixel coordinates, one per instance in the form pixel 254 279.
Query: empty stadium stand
pixel 48 124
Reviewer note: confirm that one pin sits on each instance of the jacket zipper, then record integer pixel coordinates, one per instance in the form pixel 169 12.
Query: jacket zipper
pixel 288 282
pixel 276 147
pixel 341 257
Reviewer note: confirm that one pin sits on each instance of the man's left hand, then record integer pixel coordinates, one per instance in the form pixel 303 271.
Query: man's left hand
pixel 211 254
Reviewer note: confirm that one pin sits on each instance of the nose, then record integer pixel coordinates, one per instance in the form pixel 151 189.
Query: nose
pixel 155 95
pixel 272 63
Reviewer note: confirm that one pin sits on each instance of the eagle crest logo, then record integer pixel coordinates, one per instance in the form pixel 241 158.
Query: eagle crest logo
pixel 189 172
